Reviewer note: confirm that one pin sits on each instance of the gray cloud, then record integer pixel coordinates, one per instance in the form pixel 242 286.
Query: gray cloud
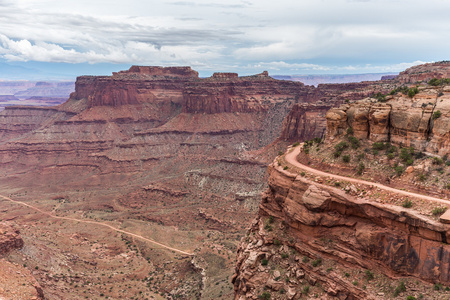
pixel 287 36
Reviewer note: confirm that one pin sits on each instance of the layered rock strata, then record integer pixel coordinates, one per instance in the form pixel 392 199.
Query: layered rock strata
pixel 421 121
pixel 425 72
pixel 305 227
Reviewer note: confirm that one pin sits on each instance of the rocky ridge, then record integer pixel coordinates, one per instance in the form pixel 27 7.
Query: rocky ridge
pixel 420 121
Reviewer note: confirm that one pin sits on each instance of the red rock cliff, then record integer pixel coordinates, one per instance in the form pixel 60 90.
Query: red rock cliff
pixel 310 234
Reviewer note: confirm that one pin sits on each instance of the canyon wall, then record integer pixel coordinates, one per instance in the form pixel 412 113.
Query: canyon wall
pixel 421 121
pixel 310 234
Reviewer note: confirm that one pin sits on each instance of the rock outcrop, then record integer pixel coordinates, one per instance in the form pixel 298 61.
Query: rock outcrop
pixel 421 121
pixel 425 72
pixel 9 239
pixel 309 234
pixel 305 122
pixel 16 282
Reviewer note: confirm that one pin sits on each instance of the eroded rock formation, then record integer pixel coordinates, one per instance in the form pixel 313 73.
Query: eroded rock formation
pixel 305 227
pixel 421 121
pixel 425 72
pixel 16 282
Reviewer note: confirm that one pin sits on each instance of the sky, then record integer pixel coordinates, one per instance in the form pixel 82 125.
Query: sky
pixel 47 38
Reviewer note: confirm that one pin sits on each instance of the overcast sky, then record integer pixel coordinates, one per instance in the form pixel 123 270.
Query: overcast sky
pixel 244 36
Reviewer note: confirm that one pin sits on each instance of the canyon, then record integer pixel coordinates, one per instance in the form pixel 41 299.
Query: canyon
pixel 327 228
pixel 39 93
pixel 165 155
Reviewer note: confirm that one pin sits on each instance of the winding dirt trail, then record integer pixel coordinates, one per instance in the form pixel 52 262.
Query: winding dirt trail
pixel 97 223
pixel 291 158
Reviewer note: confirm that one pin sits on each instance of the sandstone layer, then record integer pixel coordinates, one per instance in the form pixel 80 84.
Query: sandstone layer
pixel 304 227
pixel 421 121
pixel 425 72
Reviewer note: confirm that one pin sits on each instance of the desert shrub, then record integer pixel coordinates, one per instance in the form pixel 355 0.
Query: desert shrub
pixel 305 259
pixel 350 131
pixel 317 140
pixel 410 298
pixel 284 255
pixel 280 153
pixel 336 154
pixel 399 170
pixel 405 154
pixel 271 219
pixel 407 204
pixel 391 149
pixel 419 154
pixel 295 144
pixel 380 97
pixel 437 81
pixel 437 114
pixel 412 92
pixel 346 158
pixel 448 186
pixel 434 82
pixel 285 168
pixel 391 156
pixel 265 296
pixel 302 174
pixel 361 168
pixel 306 150
pixel 409 161
pixel 378 146
pixel 439 210
pixel 316 262
pixel 369 275
pixel 347 274
pixel 422 177
pixel 305 290
pixel 437 161
pixel 438 286
pixel 400 288
pixel 337 184
pixel 354 142
pixel 264 262
pixel 341 146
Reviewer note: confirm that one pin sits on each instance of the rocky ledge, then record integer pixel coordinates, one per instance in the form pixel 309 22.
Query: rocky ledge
pixel 313 237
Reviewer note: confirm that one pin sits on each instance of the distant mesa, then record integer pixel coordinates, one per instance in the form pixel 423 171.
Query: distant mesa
pixel 225 75
pixel 160 71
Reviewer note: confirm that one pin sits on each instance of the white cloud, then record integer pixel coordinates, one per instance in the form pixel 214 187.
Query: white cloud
pixel 319 36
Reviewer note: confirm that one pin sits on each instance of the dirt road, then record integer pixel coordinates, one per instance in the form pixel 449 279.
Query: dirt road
pixel 97 223
pixel 291 158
